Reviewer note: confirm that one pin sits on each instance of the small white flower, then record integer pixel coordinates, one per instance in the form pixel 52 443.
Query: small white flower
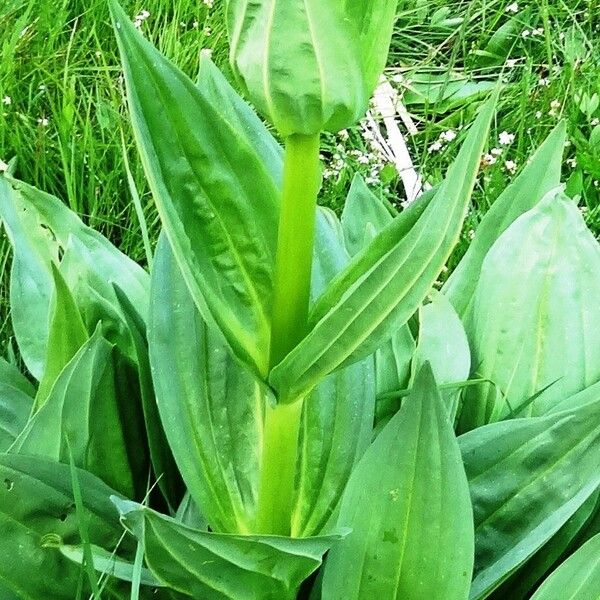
pixel 544 82
pixel 363 159
pixel 496 151
pixel 207 31
pixel 506 138
pixel 555 104
pixel 538 31
pixel 572 162
pixel 595 121
pixel 488 160
pixel 512 62
pixel 43 121
pixel 510 166
pixel 42 87
pixel 435 147
pixel 471 234
pixel 512 8
pixel 538 114
pixel 7 100
pixel 344 134
pixel 448 136
pixel 195 24
pixel 525 33
pixel 3 166
pixel 209 3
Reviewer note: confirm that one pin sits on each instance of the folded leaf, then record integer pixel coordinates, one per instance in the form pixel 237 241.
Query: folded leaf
pixel 211 406
pixel 66 335
pixel 337 417
pixel 37 512
pixel 223 566
pixel 408 505
pixel 10 375
pixel 385 284
pixel 578 578
pixel 541 335
pixel 527 478
pixel 81 411
pixel 217 200
pixel 539 176
pixel 15 408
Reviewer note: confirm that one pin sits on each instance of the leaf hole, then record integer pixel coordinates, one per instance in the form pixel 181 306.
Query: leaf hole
pixel 9 484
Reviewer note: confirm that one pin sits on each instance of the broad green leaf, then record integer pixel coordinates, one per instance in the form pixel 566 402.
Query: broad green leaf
pixel 37 513
pixel 385 284
pixel 66 335
pixel 309 65
pixel 337 417
pixel 578 578
pixel 408 505
pixel 222 566
pixel 443 343
pixel 527 478
pixel 15 408
pixel 165 470
pixel 540 175
pixel 31 286
pixel 82 411
pixel 189 514
pixel 541 335
pixel 216 198
pixel 211 406
pixel 521 585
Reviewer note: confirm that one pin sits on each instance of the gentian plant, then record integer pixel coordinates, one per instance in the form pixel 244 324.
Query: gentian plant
pixel 284 406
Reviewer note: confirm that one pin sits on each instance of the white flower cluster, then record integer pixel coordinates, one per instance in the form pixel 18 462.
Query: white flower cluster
pixel 140 18
pixel 445 138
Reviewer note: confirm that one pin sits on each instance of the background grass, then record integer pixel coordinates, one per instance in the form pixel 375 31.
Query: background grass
pixel 62 112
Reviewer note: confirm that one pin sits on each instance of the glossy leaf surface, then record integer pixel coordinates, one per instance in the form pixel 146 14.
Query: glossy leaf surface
pixel 385 284
pixel 527 478
pixel 578 578
pixel 217 200
pixel 408 505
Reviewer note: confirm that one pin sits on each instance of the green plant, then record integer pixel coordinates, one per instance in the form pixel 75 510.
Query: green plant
pixel 286 384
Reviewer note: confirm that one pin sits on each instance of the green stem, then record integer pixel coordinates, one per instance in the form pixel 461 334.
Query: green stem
pixel 296 236
pixel 293 266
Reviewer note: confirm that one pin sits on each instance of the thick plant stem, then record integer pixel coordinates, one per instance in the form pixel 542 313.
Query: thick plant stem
pixel 289 323
pixel 280 449
pixel 295 243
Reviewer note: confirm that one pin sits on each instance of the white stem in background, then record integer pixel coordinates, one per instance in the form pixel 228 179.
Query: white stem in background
pixel 387 105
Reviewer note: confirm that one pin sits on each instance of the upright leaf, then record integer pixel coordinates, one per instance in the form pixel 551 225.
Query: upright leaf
pixel 66 335
pixel 211 406
pixel 15 408
pixel 337 417
pixel 541 335
pixel 527 478
pixel 216 198
pixel 81 411
pixel 408 505
pixel 385 284
pixel 539 176
pixel 443 343
pixel 223 566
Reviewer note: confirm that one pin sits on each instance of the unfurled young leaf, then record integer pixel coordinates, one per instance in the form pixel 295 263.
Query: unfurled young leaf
pixel 578 578
pixel 527 478
pixel 222 566
pixel 385 284
pixel 211 405
pixel 527 338
pixel 408 506
pixel 218 201
pixel 310 65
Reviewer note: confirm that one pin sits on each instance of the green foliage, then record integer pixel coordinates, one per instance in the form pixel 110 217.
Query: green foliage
pixel 272 409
